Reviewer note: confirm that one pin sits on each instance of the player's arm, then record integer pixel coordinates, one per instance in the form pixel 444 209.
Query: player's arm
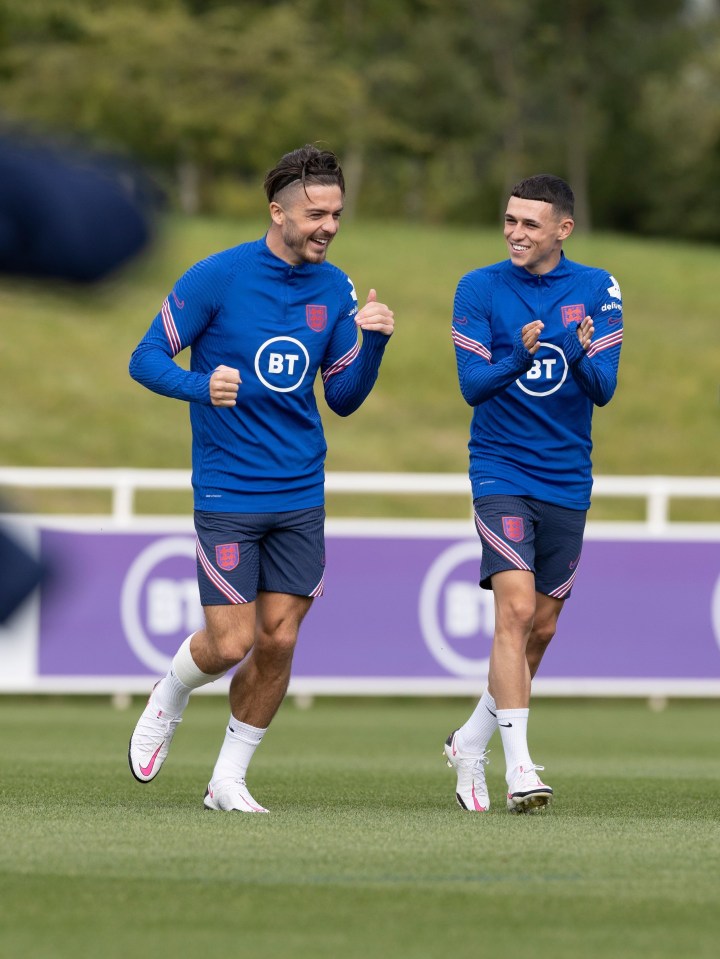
pixel 184 315
pixel 480 378
pixel 593 348
pixel 350 366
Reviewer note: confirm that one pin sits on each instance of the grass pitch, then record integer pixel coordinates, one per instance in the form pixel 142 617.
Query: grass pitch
pixel 365 852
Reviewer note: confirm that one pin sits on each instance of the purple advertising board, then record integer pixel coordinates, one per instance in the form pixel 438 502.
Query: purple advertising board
pixel 401 612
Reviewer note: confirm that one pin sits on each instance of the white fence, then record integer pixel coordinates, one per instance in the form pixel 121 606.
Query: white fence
pixel 646 623
pixel 656 491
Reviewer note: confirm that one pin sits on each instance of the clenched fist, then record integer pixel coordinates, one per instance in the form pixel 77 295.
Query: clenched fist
pixel 224 385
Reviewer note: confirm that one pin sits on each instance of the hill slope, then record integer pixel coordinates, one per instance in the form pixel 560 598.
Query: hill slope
pixel 69 399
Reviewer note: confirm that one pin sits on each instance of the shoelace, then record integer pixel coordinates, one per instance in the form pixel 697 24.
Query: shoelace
pixel 476 763
pixel 532 769
pixel 167 724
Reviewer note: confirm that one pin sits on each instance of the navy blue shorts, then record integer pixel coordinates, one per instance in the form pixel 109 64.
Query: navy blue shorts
pixel 522 533
pixel 242 554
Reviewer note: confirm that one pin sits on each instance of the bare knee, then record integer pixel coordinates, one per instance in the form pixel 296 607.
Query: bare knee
pixel 278 624
pixel 515 616
pixel 227 649
pixel 545 623
pixel 542 632
pixel 541 635
pixel 225 640
pixel 276 640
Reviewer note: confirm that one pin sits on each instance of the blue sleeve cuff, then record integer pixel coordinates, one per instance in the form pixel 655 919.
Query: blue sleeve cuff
pixel 522 357
pixel 571 345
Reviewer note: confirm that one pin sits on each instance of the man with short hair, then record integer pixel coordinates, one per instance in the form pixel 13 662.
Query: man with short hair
pixel 261 320
pixel 537 340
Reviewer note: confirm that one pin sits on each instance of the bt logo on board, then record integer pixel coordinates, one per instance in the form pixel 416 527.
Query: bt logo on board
pixel 159 601
pixel 457 618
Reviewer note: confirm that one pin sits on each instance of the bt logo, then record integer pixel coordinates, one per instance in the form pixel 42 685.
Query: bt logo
pixel 457 618
pixel 548 372
pixel 281 364
pixel 159 601
pixel 541 369
pixel 172 606
pixel 715 611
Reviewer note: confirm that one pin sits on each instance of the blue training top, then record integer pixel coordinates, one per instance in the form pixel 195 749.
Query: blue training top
pixel 530 430
pixel 278 325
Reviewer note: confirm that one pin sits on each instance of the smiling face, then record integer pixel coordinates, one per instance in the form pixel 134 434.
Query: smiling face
pixel 534 233
pixel 304 223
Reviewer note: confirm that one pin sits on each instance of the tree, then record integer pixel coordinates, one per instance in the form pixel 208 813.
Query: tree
pixel 194 95
pixel 436 107
pixel 681 119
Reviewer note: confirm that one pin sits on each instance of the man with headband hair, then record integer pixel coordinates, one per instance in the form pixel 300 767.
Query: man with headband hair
pixel 261 320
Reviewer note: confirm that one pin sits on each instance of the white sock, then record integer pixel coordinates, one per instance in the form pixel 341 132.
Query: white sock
pixel 241 741
pixel 475 735
pixel 513 725
pixel 173 691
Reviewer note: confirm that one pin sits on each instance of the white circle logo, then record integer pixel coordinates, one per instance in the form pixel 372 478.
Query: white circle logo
pixel 715 611
pixel 173 603
pixel 281 363
pixel 454 608
pixel 542 377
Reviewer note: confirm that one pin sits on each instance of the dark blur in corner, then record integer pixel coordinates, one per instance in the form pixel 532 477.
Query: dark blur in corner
pixel 71 215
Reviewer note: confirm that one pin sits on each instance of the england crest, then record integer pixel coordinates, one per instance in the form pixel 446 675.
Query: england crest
pixel 227 556
pixel 316 316
pixel 514 528
pixel 573 314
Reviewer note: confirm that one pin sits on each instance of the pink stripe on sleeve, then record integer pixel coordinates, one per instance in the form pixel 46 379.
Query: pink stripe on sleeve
pixel 605 342
pixel 339 365
pixel 170 328
pixel 472 346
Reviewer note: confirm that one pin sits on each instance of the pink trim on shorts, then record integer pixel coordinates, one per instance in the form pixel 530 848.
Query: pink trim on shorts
pixel 499 545
pixel 228 591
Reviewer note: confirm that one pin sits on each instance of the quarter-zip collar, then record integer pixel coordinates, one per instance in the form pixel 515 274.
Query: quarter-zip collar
pixel 275 262
pixel 561 270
